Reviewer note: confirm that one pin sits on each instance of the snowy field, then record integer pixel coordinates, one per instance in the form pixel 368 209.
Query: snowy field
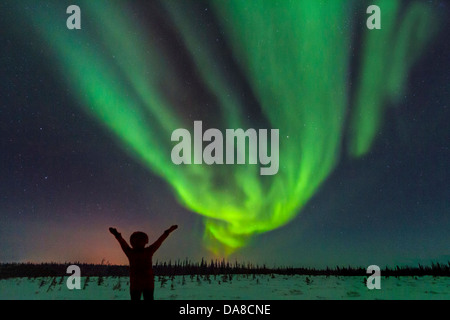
pixel 236 287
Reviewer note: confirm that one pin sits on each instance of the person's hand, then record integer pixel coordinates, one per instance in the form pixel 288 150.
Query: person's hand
pixel 114 231
pixel 172 228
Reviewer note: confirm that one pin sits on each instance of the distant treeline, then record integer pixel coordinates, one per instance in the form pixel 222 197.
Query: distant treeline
pixel 214 267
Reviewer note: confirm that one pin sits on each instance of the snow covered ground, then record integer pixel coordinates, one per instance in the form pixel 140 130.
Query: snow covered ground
pixel 237 287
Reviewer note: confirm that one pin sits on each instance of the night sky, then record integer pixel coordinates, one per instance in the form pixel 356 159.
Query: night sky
pixel 67 173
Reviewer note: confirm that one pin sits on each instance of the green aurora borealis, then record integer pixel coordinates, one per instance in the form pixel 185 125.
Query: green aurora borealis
pixel 296 57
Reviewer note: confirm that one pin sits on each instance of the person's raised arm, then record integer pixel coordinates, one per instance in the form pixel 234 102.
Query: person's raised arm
pixel 123 244
pixel 155 246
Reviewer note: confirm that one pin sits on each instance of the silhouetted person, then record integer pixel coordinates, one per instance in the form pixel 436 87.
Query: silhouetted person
pixel 140 258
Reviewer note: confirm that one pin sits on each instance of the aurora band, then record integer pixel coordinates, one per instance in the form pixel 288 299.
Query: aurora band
pixel 295 57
